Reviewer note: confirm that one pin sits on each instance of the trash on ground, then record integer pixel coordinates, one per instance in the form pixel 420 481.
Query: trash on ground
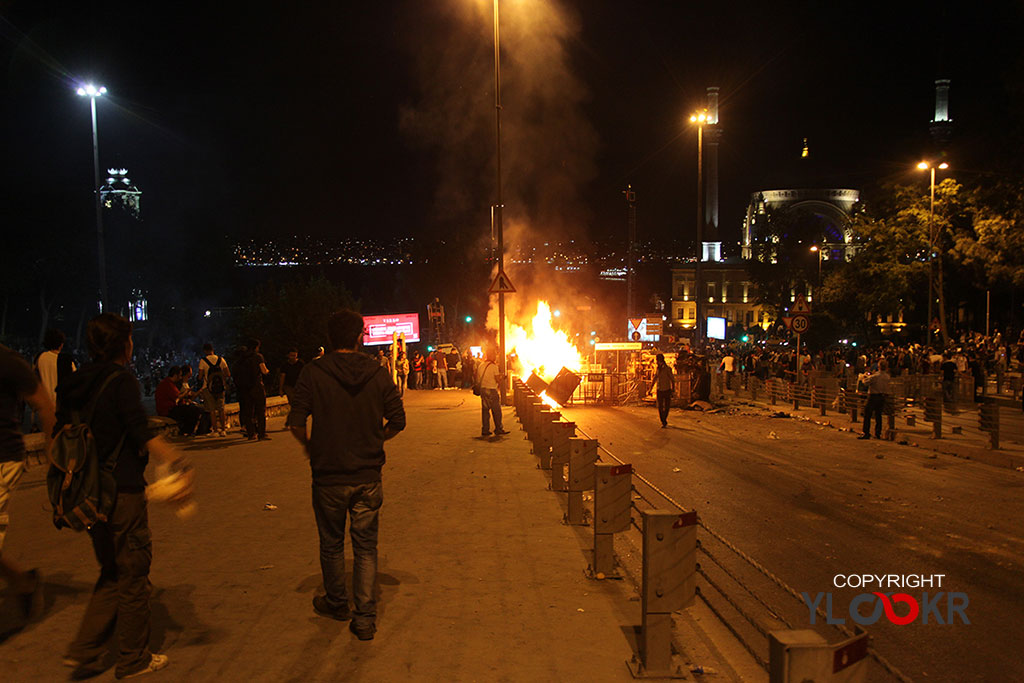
pixel 269 506
pixel 267 566
pixel 772 435
pixel 780 413
pixel 703 406
pixel 702 670
pixel 676 469
pixel 880 457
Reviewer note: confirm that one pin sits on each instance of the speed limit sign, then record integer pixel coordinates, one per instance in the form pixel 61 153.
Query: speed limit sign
pixel 800 323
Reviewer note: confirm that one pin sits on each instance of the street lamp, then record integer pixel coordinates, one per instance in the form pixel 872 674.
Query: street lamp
pixel 700 118
pixel 499 207
pixel 92 92
pixel 819 252
pixel 932 238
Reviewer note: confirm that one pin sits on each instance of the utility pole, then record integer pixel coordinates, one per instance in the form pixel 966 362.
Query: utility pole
pixel 630 252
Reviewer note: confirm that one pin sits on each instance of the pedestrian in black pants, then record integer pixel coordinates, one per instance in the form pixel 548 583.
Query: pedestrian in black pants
pixel 878 389
pixel 252 394
pixel 119 608
pixel 665 384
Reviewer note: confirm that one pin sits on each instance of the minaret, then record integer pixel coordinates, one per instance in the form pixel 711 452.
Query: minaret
pixel 712 242
pixel 942 125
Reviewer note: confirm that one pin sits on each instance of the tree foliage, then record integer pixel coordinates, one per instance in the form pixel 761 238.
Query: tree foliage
pixel 292 314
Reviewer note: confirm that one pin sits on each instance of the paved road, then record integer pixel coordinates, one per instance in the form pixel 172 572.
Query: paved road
pixel 479 579
pixel 816 502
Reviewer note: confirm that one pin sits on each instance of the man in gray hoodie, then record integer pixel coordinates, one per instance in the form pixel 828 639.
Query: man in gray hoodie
pixel 355 408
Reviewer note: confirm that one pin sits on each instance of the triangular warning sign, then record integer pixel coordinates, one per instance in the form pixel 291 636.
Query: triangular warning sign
pixel 787 321
pixel 501 284
pixel 800 307
pixel 636 322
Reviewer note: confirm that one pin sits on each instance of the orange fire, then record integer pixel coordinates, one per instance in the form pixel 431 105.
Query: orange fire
pixel 543 349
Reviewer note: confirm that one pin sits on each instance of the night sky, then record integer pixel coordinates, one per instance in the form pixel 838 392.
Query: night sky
pixel 375 119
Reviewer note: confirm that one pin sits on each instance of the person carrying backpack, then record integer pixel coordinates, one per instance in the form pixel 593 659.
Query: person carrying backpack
pixel 104 395
pixel 213 385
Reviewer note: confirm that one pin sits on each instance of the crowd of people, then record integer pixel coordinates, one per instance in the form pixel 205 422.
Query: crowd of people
pixel 352 398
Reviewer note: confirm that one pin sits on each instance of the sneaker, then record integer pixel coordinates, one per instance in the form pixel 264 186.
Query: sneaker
pixel 500 431
pixel 264 437
pixel 251 437
pixel 85 669
pixel 362 631
pixel 31 602
pixel 862 437
pixel 485 433
pixel 321 607
pixel 156 663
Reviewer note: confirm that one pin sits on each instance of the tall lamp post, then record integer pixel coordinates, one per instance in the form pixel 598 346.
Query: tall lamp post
pixel 700 118
pixel 817 251
pixel 92 92
pixel 500 206
pixel 932 239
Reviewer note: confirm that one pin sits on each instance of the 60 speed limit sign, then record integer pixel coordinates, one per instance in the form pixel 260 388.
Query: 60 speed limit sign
pixel 800 323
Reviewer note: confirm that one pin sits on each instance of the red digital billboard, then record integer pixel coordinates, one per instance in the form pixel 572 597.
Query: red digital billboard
pixel 379 329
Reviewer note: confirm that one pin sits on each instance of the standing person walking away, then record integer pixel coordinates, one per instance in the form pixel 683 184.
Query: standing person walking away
pixel 877 384
pixel 119 607
pixel 213 382
pixel 253 410
pixel 355 408
pixel 665 384
pixel 402 371
pixel 728 366
pixel 19 383
pixel 490 401
pixel 290 374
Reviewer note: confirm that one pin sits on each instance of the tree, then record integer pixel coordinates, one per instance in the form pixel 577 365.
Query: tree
pixel 292 314
pixel 782 259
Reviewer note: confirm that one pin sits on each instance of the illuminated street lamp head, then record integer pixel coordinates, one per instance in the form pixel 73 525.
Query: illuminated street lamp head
pixel 943 165
pixel 700 117
pixel 814 248
pixel 91 90
pixel 923 166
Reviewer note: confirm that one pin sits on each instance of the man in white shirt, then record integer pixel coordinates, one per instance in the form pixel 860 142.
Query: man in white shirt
pixel 213 393
pixel 728 366
pixel 490 401
pixel 47 365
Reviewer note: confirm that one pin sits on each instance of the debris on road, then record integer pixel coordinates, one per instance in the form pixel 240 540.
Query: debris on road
pixel 772 435
pixel 702 406
pixel 269 506
pixel 676 469
pixel 780 413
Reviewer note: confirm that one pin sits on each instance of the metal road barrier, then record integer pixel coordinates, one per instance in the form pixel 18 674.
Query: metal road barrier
pixel 674 559
pixel 669 537
pixel 919 406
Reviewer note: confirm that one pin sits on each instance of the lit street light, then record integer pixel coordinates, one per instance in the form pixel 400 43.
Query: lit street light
pixel 818 252
pixel 92 92
pixel 932 238
pixel 700 118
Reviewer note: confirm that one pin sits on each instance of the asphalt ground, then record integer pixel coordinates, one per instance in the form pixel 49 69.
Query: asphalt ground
pixel 479 579
pixel 808 502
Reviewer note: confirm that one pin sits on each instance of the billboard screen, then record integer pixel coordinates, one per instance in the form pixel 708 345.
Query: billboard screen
pixel 378 329
pixel 716 328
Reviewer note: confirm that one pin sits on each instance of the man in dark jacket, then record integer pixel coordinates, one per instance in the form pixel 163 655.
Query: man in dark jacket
pixel 355 408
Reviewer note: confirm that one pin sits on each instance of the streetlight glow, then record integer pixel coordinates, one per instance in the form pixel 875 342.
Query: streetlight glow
pixel 923 166
pixel 943 165
pixel 91 90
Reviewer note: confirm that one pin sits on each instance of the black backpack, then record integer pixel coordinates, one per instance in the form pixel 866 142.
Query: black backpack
pixel 214 377
pixel 81 491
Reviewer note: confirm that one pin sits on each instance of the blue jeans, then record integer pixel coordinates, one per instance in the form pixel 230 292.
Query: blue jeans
pixel 331 505
pixel 490 405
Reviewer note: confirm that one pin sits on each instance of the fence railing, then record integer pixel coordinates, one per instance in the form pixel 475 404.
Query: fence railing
pixel 671 552
pixel 919 405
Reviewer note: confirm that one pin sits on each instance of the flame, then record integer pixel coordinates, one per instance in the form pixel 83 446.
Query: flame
pixel 543 349
pixel 550 401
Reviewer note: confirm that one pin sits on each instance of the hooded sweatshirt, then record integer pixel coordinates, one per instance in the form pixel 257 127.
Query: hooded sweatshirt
pixel 118 412
pixel 351 399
